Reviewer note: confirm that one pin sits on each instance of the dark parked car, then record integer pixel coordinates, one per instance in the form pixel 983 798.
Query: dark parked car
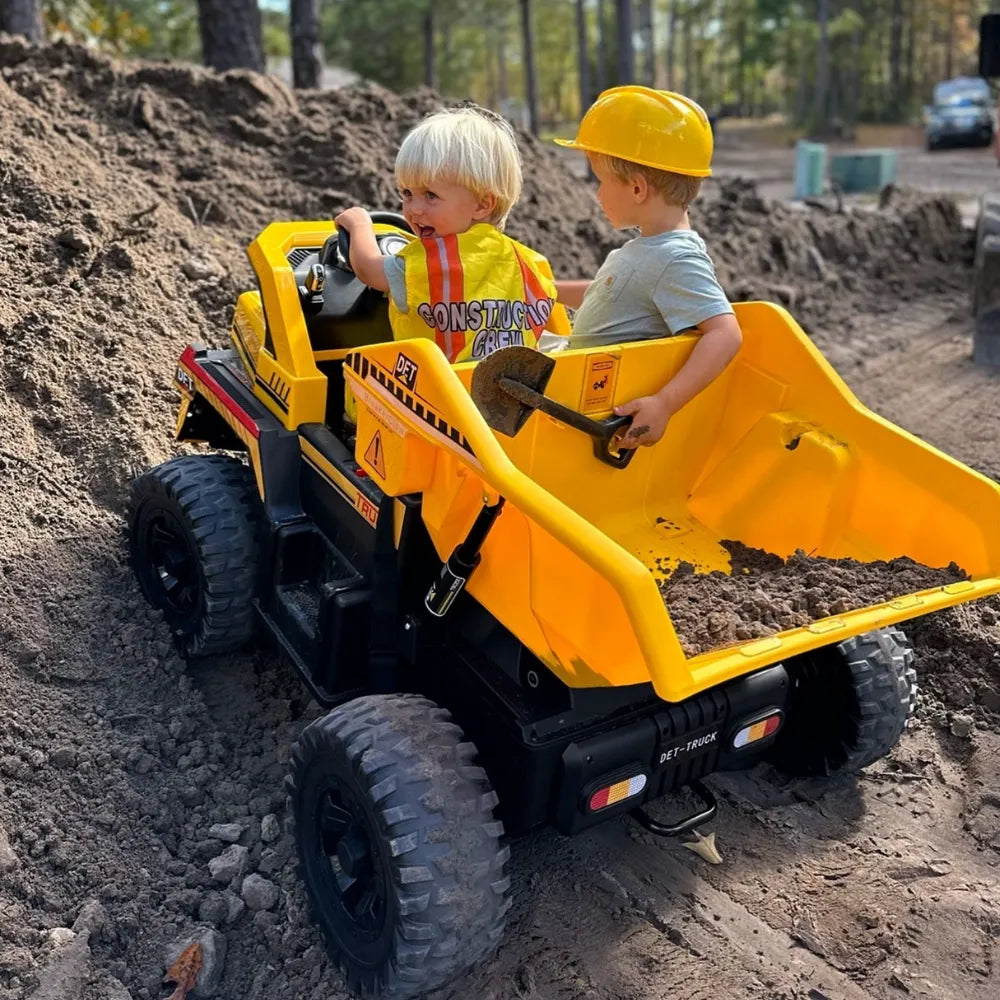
pixel 962 114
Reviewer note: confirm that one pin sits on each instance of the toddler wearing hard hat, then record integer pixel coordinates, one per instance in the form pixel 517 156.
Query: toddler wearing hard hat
pixel 650 150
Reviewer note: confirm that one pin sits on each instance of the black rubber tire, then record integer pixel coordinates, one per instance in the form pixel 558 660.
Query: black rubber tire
pixel 208 510
pixel 848 704
pixel 395 775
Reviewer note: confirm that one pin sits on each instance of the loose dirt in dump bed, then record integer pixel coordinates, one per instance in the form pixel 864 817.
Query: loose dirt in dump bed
pixel 765 594
pixel 137 792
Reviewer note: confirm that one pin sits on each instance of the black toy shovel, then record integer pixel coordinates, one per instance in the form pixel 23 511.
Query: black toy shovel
pixel 508 386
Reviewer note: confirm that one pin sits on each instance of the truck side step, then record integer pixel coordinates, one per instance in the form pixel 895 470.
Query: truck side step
pixel 319 611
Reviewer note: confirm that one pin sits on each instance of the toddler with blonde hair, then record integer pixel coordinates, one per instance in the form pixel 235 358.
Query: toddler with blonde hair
pixel 462 281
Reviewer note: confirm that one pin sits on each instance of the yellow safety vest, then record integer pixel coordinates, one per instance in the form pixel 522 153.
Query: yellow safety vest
pixel 475 292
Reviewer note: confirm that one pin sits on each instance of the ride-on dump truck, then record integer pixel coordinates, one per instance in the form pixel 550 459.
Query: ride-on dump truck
pixel 468 582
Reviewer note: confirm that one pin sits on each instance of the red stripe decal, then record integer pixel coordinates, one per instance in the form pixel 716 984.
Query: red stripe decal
pixel 188 361
pixel 531 293
pixel 456 291
pixel 435 282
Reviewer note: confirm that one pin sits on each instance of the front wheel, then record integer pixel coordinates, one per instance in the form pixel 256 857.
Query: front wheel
pixel 398 846
pixel 848 704
pixel 194 538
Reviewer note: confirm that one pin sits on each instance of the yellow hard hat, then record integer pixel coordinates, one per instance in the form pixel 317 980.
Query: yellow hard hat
pixel 656 128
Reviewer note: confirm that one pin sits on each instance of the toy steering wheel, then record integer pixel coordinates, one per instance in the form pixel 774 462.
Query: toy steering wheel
pixel 342 238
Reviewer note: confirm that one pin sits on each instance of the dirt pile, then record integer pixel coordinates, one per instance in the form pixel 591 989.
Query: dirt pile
pixel 128 194
pixel 835 270
pixel 767 594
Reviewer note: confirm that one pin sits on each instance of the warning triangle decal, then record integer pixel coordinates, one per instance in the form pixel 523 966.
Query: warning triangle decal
pixel 374 456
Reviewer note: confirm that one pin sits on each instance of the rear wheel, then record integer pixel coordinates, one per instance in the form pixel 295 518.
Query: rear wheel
pixel 848 704
pixel 398 846
pixel 194 530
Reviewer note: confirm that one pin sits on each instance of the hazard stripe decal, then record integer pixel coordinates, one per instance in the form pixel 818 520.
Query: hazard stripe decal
pixel 364 368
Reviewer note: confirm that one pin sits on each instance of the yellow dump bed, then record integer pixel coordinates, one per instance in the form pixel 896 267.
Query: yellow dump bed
pixel 777 454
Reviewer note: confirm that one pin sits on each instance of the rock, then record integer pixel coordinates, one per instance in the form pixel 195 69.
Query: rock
pixel 91 919
pixel 74 239
pixel 59 936
pixel 990 698
pixel 259 893
pixel 274 859
pixel 8 859
pixel 235 904
pixel 196 270
pixel 214 909
pixel 213 959
pixel 270 828
pixel 64 757
pixel 229 833
pixel 230 864
pixel 69 968
pixel 961 725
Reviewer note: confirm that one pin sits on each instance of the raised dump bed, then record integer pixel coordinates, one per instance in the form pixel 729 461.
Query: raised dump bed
pixel 777 454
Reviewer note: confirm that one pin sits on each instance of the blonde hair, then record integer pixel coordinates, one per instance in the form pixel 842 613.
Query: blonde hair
pixel 674 189
pixel 469 146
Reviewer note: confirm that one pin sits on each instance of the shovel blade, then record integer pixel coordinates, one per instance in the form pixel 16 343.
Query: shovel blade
pixel 502 411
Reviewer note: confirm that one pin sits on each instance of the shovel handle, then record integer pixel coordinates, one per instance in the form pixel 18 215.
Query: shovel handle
pixel 602 431
pixel 610 426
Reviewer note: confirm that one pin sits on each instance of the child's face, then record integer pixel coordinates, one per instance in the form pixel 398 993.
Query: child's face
pixel 617 197
pixel 443 209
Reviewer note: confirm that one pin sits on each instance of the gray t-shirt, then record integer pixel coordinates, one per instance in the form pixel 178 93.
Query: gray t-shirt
pixel 654 286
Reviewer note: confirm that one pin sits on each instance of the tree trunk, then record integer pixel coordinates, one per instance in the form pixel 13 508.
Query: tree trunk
pixel 583 56
pixel 908 48
pixel 896 59
pixel 854 90
pixel 687 52
pixel 648 73
pixel 502 64
pixel 671 46
pixel 528 57
pixel 304 25
pixel 821 93
pixel 602 48
pixel 430 64
pixel 626 57
pixel 230 34
pixel 950 50
pixel 741 60
pixel 20 17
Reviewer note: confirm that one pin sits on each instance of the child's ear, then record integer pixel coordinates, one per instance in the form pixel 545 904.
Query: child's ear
pixel 484 209
pixel 640 188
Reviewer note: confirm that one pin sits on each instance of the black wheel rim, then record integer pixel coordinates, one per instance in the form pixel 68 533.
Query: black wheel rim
pixel 173 565
pixel 346 842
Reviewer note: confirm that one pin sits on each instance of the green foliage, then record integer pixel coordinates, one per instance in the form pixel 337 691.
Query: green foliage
pixel 147 28
pixel 380 39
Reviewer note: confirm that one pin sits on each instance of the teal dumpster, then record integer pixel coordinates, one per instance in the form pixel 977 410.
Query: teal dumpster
pixel 863 170
pixel 810 168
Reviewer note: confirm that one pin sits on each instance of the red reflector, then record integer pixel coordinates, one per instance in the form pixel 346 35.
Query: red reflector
pixel 599 799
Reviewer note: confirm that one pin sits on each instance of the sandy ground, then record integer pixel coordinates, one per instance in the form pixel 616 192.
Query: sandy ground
pixel 139 791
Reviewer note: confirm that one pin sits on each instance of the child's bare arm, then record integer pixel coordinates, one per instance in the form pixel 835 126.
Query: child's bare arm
pixel 571 292
pixel 366 258
pixel 720 340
